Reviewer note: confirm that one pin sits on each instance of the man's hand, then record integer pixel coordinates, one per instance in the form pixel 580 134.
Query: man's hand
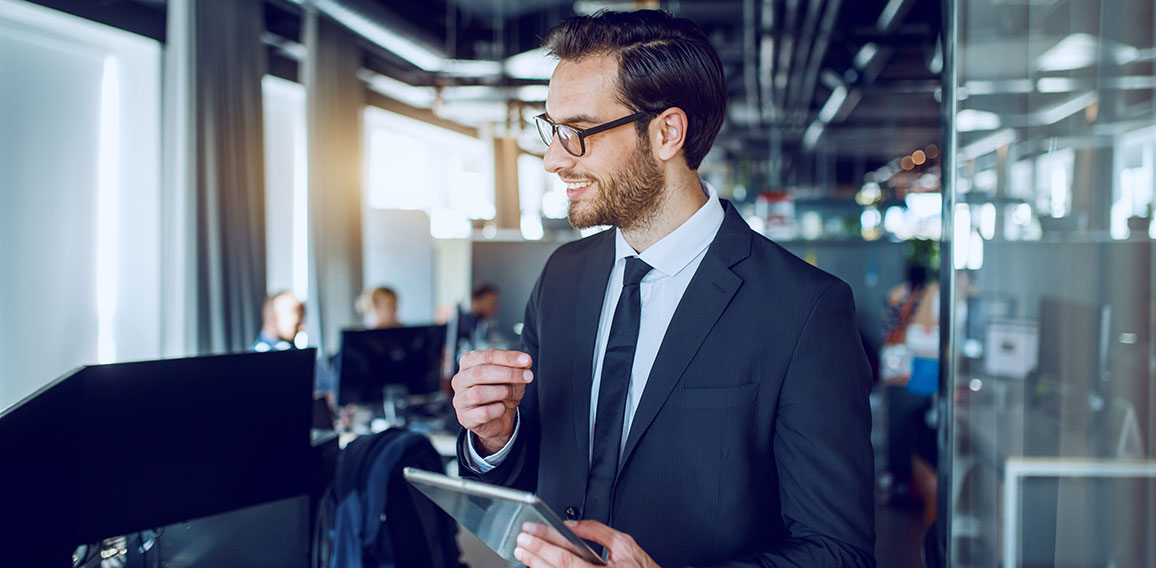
pixel 487 391
pixel 541 547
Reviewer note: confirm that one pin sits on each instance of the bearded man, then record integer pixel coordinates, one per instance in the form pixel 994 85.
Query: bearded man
pixel 688 392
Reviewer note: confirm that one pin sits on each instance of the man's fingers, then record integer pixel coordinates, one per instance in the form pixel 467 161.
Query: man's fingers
pixel 530 559
pixel 485 394
pixel 546 533
pixel 536 552
pixel 494 374
pixel 476 416
pixel 496 357
pixel 595 531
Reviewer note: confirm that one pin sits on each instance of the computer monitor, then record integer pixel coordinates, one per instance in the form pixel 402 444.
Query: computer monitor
pixel 1073 343
pixel 371 359
pixel 108 450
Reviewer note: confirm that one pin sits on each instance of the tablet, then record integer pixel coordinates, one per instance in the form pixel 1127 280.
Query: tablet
pixel 494 514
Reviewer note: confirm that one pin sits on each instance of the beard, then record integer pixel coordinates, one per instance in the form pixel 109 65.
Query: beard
pixel 628 199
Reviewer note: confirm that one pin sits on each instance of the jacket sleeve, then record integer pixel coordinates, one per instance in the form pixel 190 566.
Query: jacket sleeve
pixel 519 470
pixel 822 445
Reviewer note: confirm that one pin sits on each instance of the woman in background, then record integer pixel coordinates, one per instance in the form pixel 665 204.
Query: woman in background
pixel 378 308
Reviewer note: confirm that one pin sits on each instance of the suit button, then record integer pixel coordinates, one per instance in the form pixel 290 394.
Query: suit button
pixel 571 514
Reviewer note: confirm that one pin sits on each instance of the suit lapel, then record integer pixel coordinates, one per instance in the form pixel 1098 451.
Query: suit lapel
pixel 592 282
pixel 705 299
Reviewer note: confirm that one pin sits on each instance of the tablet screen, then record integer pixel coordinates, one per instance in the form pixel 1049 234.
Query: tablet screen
pixel 494 514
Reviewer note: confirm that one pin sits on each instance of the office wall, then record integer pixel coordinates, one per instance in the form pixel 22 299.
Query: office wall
pixel 79 196
pixel 871 268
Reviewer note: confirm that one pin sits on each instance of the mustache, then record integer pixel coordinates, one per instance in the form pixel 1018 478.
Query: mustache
pixel 576 174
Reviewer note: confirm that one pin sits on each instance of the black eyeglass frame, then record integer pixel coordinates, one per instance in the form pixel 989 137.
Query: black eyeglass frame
pixel 582 133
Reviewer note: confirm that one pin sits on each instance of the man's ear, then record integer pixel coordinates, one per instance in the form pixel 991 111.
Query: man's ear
pixel 668 133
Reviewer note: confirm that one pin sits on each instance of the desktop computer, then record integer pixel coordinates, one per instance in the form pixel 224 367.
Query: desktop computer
pixel 410 358
pixel 110 450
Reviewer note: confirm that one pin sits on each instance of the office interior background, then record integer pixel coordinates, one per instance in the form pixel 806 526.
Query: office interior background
pixel 166 164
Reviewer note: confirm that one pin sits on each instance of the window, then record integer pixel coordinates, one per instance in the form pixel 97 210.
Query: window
pixel 79 197
pixel 414 165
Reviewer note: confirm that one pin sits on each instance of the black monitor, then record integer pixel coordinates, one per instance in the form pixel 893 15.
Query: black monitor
pixel 371 359
pixel 113 449
pixel 1072 343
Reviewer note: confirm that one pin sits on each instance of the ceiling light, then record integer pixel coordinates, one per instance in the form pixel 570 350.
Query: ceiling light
pixel 1081 50
pixel 423 97
pixel 1056 85
pixel 470 67
pixel 834 102
pixel 1007 86
pixel 865 54
pixel 971 120
pixel 987 144
pixel 406 48
pixel 532 93
pixel 532 64
pixel 1060 111
pixel 812 134
pixel 400 44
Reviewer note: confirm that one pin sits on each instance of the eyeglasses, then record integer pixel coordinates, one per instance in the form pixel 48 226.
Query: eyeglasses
pixel 573 139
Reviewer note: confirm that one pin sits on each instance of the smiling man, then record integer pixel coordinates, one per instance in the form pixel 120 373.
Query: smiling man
pixel 688 393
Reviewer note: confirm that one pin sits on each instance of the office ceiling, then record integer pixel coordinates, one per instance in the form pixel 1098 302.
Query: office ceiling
pixel 822 91
pixel 875 65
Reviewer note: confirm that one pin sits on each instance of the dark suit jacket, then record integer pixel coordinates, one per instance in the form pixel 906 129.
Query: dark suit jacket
pixel 750 445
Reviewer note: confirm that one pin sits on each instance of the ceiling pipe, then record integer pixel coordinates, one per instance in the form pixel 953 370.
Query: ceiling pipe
pixel 807 47
pixel 869 61
pixel 375 24
pixel 815 63
pixel 750 62
pixel 786 48
pixel 770 107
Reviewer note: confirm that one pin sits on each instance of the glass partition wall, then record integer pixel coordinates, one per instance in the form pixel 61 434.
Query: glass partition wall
pixel 1049 390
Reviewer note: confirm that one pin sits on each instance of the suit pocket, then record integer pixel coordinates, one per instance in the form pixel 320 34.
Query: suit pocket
pixel 720 397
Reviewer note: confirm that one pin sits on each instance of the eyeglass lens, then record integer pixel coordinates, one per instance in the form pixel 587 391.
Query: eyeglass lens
pixel 567 136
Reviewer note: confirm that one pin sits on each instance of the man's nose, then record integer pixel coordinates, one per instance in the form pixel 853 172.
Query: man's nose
pixel 557 158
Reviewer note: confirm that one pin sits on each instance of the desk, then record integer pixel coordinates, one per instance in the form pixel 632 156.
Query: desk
pixel 1007 433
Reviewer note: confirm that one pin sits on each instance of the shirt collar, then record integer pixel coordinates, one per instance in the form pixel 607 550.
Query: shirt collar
pixel 674 252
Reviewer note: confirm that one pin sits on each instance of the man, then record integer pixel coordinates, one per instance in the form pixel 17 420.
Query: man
pixel 475 325
pixel 690 390
pixel 282 318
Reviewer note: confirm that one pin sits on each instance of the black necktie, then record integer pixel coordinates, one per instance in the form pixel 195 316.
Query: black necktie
pixel 616 370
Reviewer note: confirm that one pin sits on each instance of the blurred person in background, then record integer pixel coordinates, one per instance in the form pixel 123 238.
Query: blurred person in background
pixel 478 326
pixel 282 317
pixel 910 371
pixel 378 308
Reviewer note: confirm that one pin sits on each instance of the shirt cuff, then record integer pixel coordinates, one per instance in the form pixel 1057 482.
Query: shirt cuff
pixel 485 465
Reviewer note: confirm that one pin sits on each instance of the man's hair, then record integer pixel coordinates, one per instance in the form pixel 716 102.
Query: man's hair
pixel 481 290
pixel 663 62
pixel 366 301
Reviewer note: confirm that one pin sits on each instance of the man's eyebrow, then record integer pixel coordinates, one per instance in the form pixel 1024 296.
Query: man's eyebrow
pixel 575 119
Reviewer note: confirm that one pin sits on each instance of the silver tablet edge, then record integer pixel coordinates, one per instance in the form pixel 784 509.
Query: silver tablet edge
pixel 485 490
pixel 468 486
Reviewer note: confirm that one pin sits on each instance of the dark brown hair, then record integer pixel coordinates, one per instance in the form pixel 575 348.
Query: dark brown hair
pixel 663 62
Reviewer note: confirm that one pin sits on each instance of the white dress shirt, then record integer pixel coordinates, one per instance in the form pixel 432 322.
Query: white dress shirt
pixel 675 259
